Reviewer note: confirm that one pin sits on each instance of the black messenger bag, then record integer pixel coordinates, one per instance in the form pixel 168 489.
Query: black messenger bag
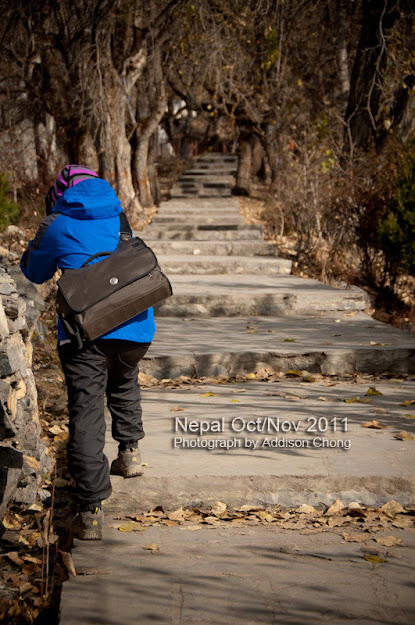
pixel 97 298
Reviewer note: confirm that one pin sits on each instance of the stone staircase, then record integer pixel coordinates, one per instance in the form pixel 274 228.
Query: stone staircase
pixel 236 309
pixel 242 307
pixel 212 176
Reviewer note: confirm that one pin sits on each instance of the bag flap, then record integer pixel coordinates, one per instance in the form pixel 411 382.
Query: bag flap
pixel 84 287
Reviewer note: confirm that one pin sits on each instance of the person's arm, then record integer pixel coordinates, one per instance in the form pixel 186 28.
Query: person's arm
pixel 38 263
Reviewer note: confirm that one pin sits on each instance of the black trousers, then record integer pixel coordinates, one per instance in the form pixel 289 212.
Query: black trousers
pixel 105 366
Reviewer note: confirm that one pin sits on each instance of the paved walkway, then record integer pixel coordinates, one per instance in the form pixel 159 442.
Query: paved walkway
pixel 237 310
pixel 247 576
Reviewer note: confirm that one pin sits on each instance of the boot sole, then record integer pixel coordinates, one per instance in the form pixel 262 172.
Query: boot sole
pixel 86 535
pixel 129 472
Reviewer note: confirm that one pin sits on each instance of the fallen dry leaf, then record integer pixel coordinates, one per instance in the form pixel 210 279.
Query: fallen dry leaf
pixel 169 523
pixel 218 508
pixel 403 435
pixel 177 515
pixel 407 402
pixel 376 425
pixel 211 520
pixel 32 462
pixel 373 391
pixel 392 508
pixel 68 563
pixel 133 526
pixel 209 394
pixel 91 570
pixel 355 538
pixel 294 373
pixel 247 508
pixel 177 409
pixel 334 508
pixel 26 587
pixel 373 559
pixel 388 541
pixel 30 568
pixel 306 509
pixel 150 547
pixel 14 557
pixel 29 558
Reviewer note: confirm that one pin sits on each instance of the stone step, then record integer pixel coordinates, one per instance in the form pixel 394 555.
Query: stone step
pixel 207 193
pixel 199 220
pixel 191 209
pixel 204 178
pixel 195 264
pixel 233 295
pixel 202 202
pixel 202 187
pixel 215 248
pixel 199 204
pixel 332 344
pixel 213 157
pixel 187 214
pixel 361 465
pixel 224 170
pixel 190 232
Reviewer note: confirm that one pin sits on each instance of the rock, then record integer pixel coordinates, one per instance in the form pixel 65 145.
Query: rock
pixel 31 316
pixel 14 308
pixel 27 288
pixel 11 462
pixel 13 356
pixel 8 408
pixel 6 288
pixel 4 326
pixel 19 389
pixel 27 494
pixel 14 230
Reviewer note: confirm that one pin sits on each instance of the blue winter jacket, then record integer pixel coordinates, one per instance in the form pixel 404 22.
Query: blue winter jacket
pixel 84 221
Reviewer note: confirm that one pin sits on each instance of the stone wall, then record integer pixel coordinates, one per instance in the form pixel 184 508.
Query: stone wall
pixel 23 457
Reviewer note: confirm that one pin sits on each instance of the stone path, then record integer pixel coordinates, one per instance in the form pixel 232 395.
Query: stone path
pixel 244 576
pixel 235 310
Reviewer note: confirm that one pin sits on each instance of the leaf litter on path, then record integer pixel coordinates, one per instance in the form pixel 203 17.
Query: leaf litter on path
pixel 354 522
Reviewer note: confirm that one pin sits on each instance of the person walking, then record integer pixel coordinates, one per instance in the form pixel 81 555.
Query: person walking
pixel 83 219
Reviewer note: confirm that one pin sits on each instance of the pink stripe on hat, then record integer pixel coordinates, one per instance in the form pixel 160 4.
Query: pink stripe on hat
pixel 69 177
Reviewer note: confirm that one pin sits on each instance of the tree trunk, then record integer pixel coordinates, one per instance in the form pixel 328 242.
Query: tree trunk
pixel 144 132
pixel 244 171
pixel 270 147
pixel 113 147
pixel 340 17
pixel 152 169
pixel 367 79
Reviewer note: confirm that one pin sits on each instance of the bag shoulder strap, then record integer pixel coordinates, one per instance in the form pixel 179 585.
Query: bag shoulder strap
pixel 125 230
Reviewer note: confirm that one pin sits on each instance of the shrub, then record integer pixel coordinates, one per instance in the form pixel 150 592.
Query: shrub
pixel 9 210
pixel 396 226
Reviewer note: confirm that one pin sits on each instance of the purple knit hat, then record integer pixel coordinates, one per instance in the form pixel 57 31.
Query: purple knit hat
pixel 68 177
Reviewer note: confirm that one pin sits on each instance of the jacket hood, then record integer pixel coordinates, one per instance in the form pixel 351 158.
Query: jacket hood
pixel 89 199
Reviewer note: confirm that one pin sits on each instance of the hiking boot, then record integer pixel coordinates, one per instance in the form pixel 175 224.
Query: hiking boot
pixel 128 463
pixel 88 524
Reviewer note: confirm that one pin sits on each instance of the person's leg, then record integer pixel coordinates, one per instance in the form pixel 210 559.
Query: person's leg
pixel 123 389
pixel 124 402
pixel 86 377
